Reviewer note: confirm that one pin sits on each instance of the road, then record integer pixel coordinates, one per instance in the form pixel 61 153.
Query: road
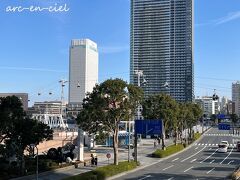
pixel 200 161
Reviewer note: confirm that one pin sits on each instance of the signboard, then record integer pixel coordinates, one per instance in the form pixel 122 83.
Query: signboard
pixel 149 127
pixel 108 155
pixel 221 116
pixel 223 126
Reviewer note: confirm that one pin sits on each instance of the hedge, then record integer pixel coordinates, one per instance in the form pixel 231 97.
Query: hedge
pixel 196 136
pixel 169 150
pixel 102 173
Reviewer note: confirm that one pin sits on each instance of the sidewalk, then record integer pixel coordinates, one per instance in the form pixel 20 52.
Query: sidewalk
pixel 145 148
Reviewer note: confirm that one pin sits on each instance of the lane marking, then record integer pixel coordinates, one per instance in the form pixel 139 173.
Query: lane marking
pixel 188 169
pixel 147 176
pixel 212 161
pixel 210 148
pixel 171 178
pixel 168 167
pixel 175 159
pixel 226 156
pixel 210 171
pixel 230 162
pixel 193 160
pixel 193 154
pixel 196 148
pixel 209 156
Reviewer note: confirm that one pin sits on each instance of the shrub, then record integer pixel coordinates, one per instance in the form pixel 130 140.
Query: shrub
pixel 169 150
pixel 196 136
pixel 102 173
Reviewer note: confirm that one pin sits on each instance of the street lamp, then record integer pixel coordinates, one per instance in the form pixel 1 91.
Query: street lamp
pixel 139 74
pixel 32 147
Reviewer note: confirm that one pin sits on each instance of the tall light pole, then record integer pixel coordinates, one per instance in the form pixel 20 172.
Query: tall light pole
pixel 33 146
pixel 139 74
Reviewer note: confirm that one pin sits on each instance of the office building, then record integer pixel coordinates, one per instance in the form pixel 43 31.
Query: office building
pixel 83 72
pixel 162 46
pixel 22 96
pixel 48 107
pixel 236 97
pixel 208 105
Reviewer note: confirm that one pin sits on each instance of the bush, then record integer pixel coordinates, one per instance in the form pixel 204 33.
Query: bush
pixel 102 173
pixel 169 150
pixel 196 136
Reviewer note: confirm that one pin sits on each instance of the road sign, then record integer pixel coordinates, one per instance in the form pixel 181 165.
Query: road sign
pixel 223 126
pixel 149 127
pixel 108 155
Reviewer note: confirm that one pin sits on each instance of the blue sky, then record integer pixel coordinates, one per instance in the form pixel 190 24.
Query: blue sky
pixel 34 45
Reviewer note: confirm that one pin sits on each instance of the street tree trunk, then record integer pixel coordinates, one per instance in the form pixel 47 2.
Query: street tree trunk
pixel 115 146
pixel 176 136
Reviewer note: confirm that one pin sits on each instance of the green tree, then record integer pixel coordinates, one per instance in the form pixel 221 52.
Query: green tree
pixel 162 106
pixel 182 115
pixel 109 103
pixel 18 131
pixel 194 112
pixel 234 118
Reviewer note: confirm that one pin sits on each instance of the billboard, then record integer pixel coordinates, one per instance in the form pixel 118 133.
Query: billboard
pixel 149 127
pixel 223 126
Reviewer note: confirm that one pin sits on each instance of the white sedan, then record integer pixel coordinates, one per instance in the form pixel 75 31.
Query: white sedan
pixel 223 146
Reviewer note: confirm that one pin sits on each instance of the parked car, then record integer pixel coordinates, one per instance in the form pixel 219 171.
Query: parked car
pixel 238 146
pixel 223 146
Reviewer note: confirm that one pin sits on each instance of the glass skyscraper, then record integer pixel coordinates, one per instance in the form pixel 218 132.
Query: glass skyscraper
pixel 162 46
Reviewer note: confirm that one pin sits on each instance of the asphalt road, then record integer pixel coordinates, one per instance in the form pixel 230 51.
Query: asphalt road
pixel 201 161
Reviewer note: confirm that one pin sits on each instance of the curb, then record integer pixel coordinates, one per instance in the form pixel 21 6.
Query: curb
pixel 162 159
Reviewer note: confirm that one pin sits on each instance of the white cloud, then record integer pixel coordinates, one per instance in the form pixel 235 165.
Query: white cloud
pixel 230 17
pixel 225 19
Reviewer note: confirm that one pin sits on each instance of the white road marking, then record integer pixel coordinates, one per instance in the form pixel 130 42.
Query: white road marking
pixel 188 169
pixel 168 167
pixel 212 161
pixel 209 156
pixel 193 160
pixel 202 144
pixel 230 162
pixel 210 148
pixel 226 156
pixel 196 148
pixel 193 154
pixel 175 159
pixel 210 170
pixel 147 176
pixel 171 178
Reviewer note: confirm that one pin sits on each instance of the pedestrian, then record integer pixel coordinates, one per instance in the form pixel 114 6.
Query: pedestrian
pixel 92 160
pixel 158 140
pixel 154 143
pixel 96 160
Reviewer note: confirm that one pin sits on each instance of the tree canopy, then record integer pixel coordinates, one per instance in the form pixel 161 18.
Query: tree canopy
pixel 17 131
pixel 109 103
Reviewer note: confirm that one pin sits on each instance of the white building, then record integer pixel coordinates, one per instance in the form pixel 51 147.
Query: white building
pixel 236 97
pixel 48 107
pixel 208 105
pixel 83 71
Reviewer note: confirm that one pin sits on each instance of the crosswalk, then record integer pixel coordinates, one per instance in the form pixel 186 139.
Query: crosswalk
pixel 211 145
pixel 221 135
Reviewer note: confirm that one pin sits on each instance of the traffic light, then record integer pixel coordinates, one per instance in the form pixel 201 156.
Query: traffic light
pixel 215 97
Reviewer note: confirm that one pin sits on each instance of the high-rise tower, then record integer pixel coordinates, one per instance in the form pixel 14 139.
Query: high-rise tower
pixel 83 70
pixel 162 46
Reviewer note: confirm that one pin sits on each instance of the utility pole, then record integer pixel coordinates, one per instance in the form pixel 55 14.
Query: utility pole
pixel 62 82
pixel 139 74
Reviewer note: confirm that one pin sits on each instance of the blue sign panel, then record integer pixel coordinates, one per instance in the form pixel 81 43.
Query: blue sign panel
pixel 223 126
pixel 221 116
pixel 149 127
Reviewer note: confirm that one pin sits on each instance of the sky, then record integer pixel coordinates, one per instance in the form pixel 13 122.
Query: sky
pixel 34 48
